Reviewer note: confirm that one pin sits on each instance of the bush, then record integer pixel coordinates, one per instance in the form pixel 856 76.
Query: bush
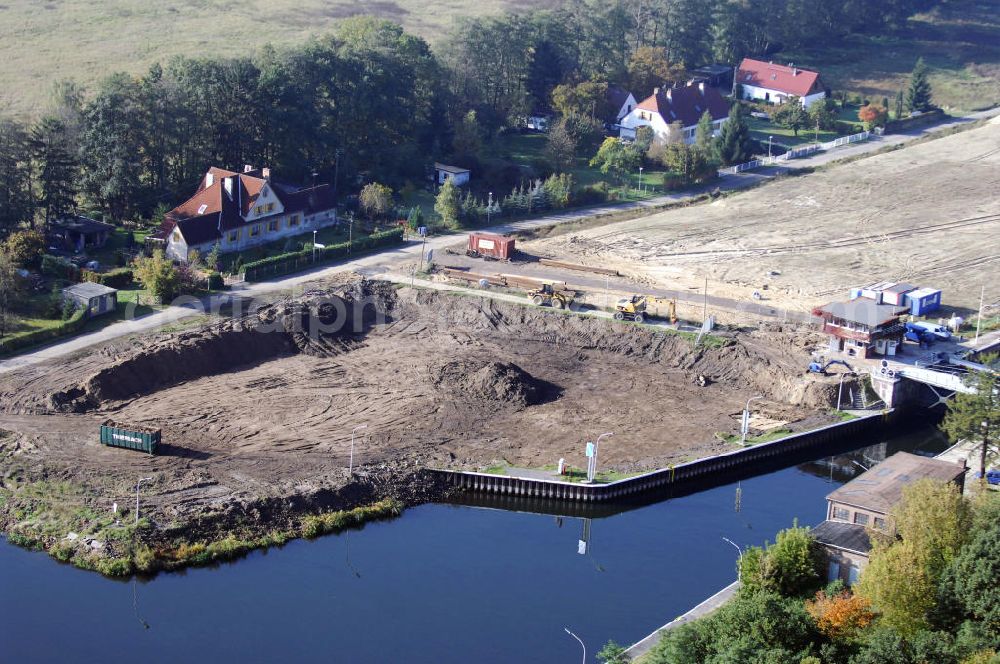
pixel 71 326
pixel 25 248
pixel 591 194
pixel 54 266
pixel 215 281
pixel 297 260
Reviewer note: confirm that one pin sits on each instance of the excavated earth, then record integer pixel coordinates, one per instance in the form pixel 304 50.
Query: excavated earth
pixel 257 412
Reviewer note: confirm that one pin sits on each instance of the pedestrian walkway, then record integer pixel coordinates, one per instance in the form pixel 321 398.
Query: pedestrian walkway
pixel 637 650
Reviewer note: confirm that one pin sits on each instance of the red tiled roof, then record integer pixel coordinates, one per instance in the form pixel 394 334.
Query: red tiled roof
pixel 211 212
pixel 686 104
pixel 781 78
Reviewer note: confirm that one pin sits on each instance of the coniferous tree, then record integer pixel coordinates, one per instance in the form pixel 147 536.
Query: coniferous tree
pixel 56 167
pixel 734 144
pixel 918 95
pixel 15 177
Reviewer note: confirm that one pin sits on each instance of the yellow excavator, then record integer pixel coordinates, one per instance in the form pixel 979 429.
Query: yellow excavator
pixel 639 308
pixel 546 294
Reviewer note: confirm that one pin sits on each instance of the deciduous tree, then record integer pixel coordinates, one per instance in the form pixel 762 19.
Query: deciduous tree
pixel 375 199
pixel 617 157
pixel 25 248
pixel 873 116
pixel 791 115
pixel 158 275
pixel 560 147
pixel 448 204
pixel 649 68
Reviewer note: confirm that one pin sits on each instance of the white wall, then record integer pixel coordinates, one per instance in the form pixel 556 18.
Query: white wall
pixel 776 97
pixel 661 129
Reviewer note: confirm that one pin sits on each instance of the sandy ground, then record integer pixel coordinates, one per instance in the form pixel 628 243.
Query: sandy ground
pixel 928 215
pixel 444 381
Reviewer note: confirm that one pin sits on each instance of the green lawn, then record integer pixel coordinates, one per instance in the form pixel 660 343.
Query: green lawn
pixel 784 137
pixel 960 41
pixel 526 149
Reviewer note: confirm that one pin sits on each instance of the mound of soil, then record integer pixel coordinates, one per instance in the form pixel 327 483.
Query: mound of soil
pixel 490 386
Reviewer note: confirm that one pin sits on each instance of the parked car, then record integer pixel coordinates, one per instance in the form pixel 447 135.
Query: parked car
pixel 939 331
pixel 919 335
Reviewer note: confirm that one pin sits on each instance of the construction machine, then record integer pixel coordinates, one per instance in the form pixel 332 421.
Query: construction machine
pixel 817 367
pixel 547 295
pixel 639 308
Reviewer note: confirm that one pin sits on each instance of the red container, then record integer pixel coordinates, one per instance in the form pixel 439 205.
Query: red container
pixel 491 245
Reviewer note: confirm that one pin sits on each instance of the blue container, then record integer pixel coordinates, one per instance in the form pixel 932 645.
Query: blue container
pixel 923 301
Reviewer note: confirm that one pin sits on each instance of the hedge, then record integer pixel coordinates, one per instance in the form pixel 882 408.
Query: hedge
pixel 120 277
pixel 299 260
pixel 71 326
pixel 914 121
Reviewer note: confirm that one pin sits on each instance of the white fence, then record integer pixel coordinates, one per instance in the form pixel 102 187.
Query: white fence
pixel 795 153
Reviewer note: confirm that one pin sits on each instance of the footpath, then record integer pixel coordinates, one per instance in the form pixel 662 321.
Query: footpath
pixel 381 261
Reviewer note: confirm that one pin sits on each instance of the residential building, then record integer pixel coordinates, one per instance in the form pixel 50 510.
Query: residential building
pixel 94 299
pixel 717 76
pixel 864 505
pixel 620 103
pixel 456 174
pixel 242 210
pixel 770 82
pixel 862 327
pixel 673 113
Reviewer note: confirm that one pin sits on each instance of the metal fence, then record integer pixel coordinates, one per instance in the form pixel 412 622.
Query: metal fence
pixel 795 153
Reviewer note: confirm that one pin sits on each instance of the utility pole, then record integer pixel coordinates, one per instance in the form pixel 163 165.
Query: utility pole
pixel 704 316
pixel 979 319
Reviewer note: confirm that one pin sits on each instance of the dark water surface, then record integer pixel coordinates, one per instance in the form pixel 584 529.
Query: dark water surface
pixel 442 583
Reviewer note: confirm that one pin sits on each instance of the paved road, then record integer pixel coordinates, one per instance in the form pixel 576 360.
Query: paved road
pixel 383 261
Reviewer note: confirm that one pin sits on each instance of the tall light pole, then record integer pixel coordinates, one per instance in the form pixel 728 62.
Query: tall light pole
pixel 584 660
pixel 137 485
pixel 769 139
pixel 640 181
pixel 597 448
pixel 746 420
pixel 979 319
pixel 739 560
pixel 314 246
pixel 350 470
pixel 489 209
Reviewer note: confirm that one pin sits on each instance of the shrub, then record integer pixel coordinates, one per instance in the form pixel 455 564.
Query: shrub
pixel 291 261
pixel 54 266
pixel 25 248
pixel 120 277
pixel 215 281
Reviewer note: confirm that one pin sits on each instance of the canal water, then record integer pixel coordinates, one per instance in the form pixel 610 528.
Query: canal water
pixel 442 583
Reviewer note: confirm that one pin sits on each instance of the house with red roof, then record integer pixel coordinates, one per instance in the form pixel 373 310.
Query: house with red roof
pixel 770 82
pixel 673 113
pixel 242 210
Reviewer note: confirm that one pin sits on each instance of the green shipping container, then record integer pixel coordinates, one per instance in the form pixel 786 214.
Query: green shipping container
pixel 129 436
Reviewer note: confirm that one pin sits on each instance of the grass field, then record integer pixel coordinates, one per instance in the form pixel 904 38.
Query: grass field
pixel 959 41
pixel 45 40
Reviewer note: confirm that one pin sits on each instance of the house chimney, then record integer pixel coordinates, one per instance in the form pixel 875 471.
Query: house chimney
pixel 656 91
pixel 247 168
pixel 209 179
pixel 266 172
pixel 227 184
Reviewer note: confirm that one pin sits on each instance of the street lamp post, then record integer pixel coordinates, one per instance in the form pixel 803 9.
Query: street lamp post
pixel 769 139
pixel 137 485
pixel 597 448
pixel 640 181
pixel 739 560
pixel 350 471
pixel 314 246
pixel 746 420
pixel 581 643
pixel 489 209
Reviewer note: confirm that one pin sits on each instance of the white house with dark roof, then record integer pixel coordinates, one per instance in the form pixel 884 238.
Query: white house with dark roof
pixel 242 210
pixel 770 82
pixel 666 108
pixel 620 103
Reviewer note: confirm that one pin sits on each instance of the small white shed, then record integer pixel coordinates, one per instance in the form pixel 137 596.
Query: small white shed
pixel 456 174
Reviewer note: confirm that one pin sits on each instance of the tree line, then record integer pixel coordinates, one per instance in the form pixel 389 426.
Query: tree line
pixel 370 102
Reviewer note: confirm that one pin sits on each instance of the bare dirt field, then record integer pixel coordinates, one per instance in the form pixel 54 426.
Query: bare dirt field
pixel 928 214
pixel 257 413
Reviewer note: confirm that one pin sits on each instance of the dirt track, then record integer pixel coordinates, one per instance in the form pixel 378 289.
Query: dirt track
pixel 928 214
pixel 441 380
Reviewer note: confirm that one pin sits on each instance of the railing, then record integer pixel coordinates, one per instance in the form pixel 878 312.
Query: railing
pixel 795 153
